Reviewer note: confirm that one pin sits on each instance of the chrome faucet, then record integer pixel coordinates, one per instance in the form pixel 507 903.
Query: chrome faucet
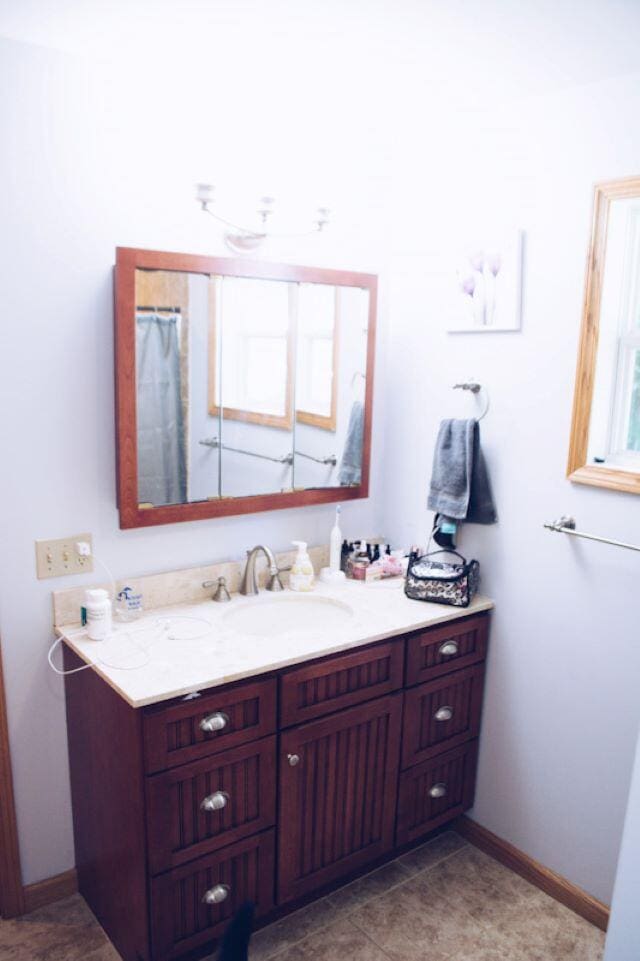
pixel 249 585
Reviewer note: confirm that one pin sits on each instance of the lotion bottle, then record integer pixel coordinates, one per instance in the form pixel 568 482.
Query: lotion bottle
pixel 302 577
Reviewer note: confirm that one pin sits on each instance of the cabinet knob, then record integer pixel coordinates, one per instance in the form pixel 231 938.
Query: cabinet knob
pixel 214 722
pixel 444 713
pixel 216 894
pixel 449 648
pixel 293 759
pixel 438 790
pixel 215 801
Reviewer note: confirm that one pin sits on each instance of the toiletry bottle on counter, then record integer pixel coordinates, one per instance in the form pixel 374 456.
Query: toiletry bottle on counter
pixel 98 612
pixel 302 576
pixel 360 562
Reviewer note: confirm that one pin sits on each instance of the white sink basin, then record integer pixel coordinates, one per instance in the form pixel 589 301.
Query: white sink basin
pixel 282 613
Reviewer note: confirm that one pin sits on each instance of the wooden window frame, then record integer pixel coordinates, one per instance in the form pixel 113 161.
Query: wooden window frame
pixel 579 471
pixel 128 260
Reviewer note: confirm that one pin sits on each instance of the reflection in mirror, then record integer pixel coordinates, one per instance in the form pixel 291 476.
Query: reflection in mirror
pixel 330 385
pixel 172 329
pixel 605 442
pixel 253 391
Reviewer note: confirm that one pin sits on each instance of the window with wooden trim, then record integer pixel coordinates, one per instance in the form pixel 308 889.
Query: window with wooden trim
pixel 251 375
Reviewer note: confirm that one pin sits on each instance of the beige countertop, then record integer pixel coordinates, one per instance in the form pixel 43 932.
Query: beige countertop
pixel 178 650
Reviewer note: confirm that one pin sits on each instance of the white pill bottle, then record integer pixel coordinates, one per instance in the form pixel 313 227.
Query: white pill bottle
pixel 98 607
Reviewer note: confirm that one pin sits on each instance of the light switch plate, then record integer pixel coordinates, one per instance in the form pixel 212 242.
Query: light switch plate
pixel 57 558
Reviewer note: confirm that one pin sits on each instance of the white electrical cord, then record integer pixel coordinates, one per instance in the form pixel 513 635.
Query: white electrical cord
pixel 162 624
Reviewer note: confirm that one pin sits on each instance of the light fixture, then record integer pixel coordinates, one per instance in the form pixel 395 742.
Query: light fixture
pixel 242 240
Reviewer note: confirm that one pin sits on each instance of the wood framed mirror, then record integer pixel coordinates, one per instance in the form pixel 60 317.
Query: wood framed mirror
pixel 604 448
pixel 241 386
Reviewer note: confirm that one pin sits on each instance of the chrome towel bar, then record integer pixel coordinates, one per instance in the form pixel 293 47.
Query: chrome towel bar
pixel 567 525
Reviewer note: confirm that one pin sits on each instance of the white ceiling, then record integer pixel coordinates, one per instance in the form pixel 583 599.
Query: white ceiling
pixel 475 50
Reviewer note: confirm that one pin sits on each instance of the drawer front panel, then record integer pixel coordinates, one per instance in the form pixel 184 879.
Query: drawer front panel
pixel 180 918
pixel 436 791
pixel 342 681
pixel 443 649
pixel 442 714
pixel 203 726
pixel 200 807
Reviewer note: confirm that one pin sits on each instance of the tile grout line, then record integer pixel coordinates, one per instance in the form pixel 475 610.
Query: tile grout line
pixel 372 940
pixel 349 911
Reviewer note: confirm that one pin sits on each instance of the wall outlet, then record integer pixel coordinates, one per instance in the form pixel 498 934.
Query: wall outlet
pixel 61 557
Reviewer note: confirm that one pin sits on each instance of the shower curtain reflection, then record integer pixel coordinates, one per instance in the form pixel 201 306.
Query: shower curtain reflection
pixel 162 474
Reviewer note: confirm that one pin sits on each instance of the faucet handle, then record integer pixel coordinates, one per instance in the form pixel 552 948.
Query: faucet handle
pixel 222 594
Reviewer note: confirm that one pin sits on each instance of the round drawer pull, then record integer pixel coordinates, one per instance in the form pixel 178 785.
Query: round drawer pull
pixel 215 801
pixel 449 648
pixel 444 713
pixel 293 759
pixel 216 894
pixel 214 722
pixel 438 790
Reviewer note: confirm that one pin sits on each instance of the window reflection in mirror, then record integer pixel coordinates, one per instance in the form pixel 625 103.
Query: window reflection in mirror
pixel 253 384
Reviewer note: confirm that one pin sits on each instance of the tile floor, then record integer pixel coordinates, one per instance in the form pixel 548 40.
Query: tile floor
pixel 444 901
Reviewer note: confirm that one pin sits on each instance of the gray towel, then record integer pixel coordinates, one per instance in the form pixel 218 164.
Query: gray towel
pixel 460 486
pixel 351 464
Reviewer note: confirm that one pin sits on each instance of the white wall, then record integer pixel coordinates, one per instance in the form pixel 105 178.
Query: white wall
pixel 623 936
pixel 87 165
pixel 562 706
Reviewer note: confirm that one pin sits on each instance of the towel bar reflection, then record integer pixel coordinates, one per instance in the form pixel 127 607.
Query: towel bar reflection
pixel 567 525
pixel 475 388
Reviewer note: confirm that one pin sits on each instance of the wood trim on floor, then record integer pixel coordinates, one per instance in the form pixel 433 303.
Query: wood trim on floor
pixel 11 893
pixel 45 892
pixel 537 874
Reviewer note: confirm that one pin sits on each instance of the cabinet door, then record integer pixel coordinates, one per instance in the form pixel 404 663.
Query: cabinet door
pixel 338 784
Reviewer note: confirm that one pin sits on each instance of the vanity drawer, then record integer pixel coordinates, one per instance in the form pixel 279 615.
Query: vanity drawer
pixel 441 714
pixel 181 919
pixel 188 730
pixel 338 682
pixel 447 648
pixel 239 787
pixel 436 791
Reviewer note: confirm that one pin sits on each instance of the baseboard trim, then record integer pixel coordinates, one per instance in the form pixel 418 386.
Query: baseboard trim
pixel 548 881
pixel 45 892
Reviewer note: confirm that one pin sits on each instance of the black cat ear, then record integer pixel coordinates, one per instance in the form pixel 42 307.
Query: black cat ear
pixel 235 941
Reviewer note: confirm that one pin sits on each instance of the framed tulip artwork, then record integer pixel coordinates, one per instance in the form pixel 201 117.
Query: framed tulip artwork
pixel 486 289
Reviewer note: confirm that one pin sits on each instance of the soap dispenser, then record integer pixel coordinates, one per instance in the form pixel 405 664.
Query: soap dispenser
pixel 302 577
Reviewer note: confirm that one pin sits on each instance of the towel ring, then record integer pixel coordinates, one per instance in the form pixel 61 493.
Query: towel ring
pixel 475 388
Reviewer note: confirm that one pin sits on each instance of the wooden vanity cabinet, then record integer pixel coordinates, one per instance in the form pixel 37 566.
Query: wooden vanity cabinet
pixel 268 789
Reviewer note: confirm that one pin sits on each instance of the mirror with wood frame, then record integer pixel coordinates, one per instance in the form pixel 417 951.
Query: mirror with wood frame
pixel 240 386
pixel 605 436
